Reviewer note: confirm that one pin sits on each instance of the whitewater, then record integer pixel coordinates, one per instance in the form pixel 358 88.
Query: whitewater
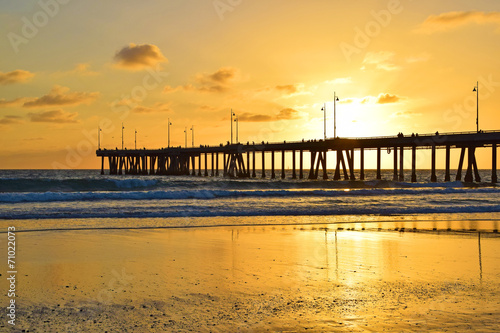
pixel 82 194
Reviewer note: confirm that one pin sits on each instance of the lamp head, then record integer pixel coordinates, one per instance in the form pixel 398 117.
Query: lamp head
pixel 474 89
pixel 337 99
pixel 323 109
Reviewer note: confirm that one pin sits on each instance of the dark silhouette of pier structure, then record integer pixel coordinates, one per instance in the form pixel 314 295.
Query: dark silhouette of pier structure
pixel 240 159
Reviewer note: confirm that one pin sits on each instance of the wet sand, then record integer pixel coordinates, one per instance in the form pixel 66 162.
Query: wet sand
pixel 314 278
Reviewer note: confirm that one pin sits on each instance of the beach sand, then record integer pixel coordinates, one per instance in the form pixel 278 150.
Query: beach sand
pixel 312 278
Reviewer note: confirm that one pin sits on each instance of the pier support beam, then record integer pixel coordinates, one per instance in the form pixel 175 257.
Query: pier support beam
pixel 401 164
pixel 362 164
pixel 468 173
pixel 447 166
pixel 199 165
pixel 102 165
pixel 494 178
pixel 336 175
pixel 414 164
pixel 294 174
pixel 312 171
pixel 248 164
pixel 206 167
pixel 212 165
pixel 193 163
pixel 350 162
pixel 217 163
pixel 273 175
pixel 282 164
pixel 433 164
pixel 263 164
pixel 395 173
pixel 379 175
pixel 301 164
pixel 253 164
pixel 323 164
pixel 460 164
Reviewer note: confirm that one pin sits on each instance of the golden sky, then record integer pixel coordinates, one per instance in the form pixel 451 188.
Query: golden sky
pixel 67 67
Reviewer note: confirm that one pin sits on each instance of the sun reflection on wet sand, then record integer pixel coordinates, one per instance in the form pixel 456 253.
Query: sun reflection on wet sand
pixel 255 278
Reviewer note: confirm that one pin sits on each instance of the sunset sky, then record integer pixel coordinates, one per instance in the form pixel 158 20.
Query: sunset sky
pixel 67 67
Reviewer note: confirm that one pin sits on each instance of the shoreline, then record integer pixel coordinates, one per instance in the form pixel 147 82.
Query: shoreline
pixel 460 222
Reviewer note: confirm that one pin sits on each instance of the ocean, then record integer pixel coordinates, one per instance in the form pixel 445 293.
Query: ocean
pixel 81 199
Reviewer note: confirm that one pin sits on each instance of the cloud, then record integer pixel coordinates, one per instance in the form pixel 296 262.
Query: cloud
pixel 288 88
pixel 11 120
pixel 222 75
pixel 379 60
pixel 342 80
pixel 60 96
pixel 404 114
pixel 284 114
pixel 288 114
pixel 251 117
pixel 206 108
pixel 55 116
pixel 17 76
pixel 81 69
pixel 218 82
pixel 387 98
pixel 136 57
pixel 15 102
pixel 158 107
pixel 452 20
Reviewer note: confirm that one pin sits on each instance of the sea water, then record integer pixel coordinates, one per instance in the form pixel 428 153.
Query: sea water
pixel 85 198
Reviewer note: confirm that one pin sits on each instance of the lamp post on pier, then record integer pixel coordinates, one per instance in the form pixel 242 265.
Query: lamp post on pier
pixel 335 100
pixel 135 139
pixel 186 136
pixel 168 132
pixel 122 134
pixel 232 115
pixel 476 89
pixel 192 133
pixel 236 121
pixel 324 120
pixel 99 138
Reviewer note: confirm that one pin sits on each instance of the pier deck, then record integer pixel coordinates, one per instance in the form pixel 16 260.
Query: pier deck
pixel 238 157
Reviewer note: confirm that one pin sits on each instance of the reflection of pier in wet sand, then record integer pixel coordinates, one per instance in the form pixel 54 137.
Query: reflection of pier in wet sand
pixel 239 160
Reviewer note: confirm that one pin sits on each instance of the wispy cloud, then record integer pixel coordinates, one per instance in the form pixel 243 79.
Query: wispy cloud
pixel 157 107
pixel 382 60
pixel 14 102
pixel 284 114
pixel 287 88
pixel 82 69
pixel 137 57
pixel 17 76
pixel 60 96
pixel 452 20
pixel 341 80
pixel 11 120
pixel 55 116
pixel 219 81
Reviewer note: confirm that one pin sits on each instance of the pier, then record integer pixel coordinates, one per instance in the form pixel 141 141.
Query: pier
pixel 239 160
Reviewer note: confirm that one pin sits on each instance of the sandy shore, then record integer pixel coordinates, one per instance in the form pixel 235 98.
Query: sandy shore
pixel 255 279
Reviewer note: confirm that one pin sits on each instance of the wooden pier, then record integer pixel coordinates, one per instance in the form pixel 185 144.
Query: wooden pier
pixel 240 159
